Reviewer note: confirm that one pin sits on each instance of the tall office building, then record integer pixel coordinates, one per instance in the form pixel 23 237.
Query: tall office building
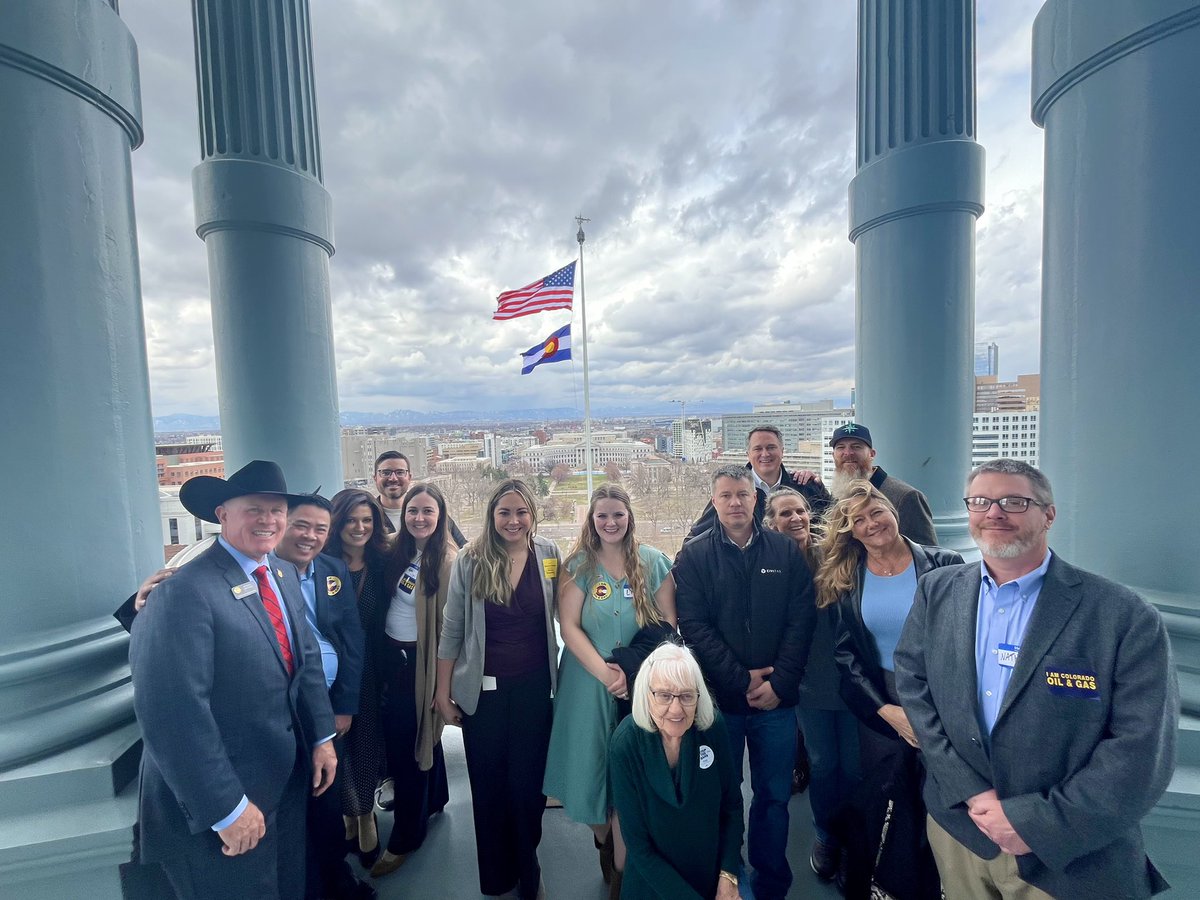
pixel 987 359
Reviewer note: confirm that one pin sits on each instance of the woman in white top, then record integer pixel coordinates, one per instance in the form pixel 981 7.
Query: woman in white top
pixel 416 577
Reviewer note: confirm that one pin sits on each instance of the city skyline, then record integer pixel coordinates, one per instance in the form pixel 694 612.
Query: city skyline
pixel 714 170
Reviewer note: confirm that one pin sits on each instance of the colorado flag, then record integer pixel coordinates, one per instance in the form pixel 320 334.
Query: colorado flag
pixel 555 348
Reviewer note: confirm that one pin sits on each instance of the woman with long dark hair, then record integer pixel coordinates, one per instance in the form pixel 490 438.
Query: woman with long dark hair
pixel 357 535
pixel 406 633
pixel 617 587
pixel 495 674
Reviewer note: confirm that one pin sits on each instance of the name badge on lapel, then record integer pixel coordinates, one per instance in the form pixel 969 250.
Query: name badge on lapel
pixel 550 567
pixel 245 589
pixel 1006 654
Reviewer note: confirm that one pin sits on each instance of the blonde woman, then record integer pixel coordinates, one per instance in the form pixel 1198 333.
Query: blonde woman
pixel 495 675
pixel 617 586
pixel 870 572
pixel 869 575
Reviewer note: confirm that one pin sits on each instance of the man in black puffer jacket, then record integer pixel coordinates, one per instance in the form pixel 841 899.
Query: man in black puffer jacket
pixel 746 608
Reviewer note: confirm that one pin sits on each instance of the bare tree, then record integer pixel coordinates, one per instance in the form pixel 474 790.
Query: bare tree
pixel 612 472
pixel 560 473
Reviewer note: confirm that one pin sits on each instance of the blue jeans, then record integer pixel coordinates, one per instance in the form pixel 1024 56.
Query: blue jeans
pixel 831 736
pixel 771 737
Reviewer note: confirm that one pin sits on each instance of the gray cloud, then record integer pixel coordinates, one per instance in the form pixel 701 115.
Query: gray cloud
pixel 711 144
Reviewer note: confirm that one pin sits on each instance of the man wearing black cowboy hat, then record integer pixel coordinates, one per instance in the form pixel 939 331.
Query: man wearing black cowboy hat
pixel 230 693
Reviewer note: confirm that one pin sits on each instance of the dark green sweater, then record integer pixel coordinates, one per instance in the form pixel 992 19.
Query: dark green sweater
pixel 676 846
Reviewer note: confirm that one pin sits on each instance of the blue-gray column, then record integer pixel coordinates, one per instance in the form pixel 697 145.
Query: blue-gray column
pixel 76 445
pixel 913 205
pixel 268 224
pixel 1114 87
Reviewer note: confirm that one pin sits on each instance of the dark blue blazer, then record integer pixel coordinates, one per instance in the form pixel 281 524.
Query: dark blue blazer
pixel 338 622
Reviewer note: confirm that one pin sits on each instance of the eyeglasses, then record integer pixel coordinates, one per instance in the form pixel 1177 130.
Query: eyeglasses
pixel 1008 504
pixel 685 698
pixel 385 474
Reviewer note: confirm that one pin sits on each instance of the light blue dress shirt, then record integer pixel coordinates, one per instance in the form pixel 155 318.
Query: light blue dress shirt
pixel 329 657
pixel 1000 623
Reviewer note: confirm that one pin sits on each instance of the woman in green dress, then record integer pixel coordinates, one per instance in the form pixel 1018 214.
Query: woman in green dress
pixel 675 787
pixel 617 586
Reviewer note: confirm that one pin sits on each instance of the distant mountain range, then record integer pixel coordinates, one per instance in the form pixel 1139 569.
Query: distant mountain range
pixel 408 417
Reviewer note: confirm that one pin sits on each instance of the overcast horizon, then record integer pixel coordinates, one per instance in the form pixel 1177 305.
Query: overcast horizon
pixel 711 146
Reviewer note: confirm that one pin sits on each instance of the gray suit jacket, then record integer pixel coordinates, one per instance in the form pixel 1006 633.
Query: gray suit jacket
pixel 1076 767
pixel 220 716
pixel 464 635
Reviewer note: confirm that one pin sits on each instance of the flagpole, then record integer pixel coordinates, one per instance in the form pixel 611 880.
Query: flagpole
pixel 587 399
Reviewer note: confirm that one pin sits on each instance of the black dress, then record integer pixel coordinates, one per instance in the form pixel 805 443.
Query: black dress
pixel 361 762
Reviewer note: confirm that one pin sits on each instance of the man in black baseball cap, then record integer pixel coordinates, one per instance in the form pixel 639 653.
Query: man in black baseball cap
pixel 853 459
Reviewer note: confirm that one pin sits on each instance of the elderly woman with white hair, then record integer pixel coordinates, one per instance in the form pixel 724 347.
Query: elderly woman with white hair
pixel 674 786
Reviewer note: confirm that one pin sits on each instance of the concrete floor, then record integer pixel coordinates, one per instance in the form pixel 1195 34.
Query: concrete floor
pixel 444 868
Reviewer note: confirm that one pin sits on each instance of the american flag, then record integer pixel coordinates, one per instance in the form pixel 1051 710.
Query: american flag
pixel 555 291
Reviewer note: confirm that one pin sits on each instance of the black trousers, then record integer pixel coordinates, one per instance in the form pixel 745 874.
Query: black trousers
pixel 419 795
pixel 328 873
pixel 506 741
pixel 273 870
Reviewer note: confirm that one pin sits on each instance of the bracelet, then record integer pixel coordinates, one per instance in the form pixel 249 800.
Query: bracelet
pixel 728 876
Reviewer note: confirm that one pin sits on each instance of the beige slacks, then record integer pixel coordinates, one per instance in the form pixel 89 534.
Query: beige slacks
pixel 966 876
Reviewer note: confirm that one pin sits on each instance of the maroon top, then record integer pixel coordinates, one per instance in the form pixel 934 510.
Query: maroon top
pixel 516 634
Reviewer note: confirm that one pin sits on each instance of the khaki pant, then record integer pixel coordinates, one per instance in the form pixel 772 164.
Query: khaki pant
pixel 966 876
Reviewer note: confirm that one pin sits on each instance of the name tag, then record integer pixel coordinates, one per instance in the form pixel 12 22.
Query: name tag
pixel 408 583
pixel 706 756
pixel 245 589
pixel 628 592
pixel 1079 683
pixel 550 567
pixel 489 683
pixel 1006 654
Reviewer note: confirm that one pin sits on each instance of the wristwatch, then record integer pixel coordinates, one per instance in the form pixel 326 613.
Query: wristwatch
pixel 729 876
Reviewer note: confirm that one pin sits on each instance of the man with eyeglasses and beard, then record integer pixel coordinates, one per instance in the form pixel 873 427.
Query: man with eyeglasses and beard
pixel 393 476
pixel 1046 705
pixel 854 460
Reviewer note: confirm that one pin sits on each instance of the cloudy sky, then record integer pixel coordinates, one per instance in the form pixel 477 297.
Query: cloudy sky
pixel 710 143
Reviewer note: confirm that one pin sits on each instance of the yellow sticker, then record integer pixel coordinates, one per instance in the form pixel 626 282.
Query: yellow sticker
pixel 550 567
pixel 601 590
pixel 333 584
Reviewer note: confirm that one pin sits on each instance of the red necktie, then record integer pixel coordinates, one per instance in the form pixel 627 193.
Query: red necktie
pixel 271 603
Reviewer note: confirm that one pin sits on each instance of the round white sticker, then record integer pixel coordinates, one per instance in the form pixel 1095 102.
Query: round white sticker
pixel 706 756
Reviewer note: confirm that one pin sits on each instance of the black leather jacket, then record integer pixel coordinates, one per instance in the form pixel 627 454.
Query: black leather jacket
pixel 855 650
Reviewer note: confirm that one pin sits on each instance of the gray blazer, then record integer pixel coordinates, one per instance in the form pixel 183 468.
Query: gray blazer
pixel 220 716
pixel 1076 768
pixel 463 635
